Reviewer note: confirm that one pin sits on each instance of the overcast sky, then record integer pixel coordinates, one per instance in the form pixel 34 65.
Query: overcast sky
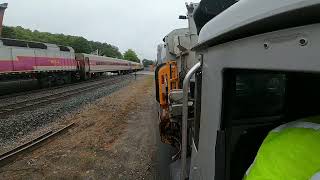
pixel 136 24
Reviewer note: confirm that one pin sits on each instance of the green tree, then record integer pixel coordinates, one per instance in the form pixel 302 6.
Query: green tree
pixel 8 32
pixel 147 62
pixel 131 56
pixel 79 44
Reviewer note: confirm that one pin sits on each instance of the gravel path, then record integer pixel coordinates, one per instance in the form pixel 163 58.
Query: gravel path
pixel 21 127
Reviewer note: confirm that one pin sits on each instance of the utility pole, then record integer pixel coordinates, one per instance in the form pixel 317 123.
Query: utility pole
pixel 3 7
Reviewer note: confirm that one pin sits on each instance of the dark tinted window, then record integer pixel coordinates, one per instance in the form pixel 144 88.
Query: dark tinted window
pixel 37 45
pixel 258 94
pixel 252 94
pixel 19 43
pixel 64 48
pixel 12 42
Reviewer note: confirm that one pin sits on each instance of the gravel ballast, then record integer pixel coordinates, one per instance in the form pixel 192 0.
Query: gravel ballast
pixel 20 127
pixel 115 137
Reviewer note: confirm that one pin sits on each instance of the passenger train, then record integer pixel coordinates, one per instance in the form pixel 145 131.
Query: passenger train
pixel 51 63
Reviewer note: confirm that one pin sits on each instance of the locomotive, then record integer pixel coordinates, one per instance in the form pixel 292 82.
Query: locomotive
pixel 256 67
pixel 55 64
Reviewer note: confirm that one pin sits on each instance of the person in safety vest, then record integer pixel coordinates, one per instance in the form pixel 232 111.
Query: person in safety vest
pixel 289 152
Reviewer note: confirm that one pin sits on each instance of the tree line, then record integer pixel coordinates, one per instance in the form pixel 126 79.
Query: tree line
pixel 79 44
pixel 147 62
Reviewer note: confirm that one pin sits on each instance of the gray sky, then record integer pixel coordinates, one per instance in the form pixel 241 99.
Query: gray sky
pixel 136 24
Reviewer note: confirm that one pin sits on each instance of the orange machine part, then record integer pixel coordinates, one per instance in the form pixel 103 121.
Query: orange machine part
pixel 168 80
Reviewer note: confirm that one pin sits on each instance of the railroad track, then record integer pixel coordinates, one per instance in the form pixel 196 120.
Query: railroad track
pixel 28 104
pixel 7 156
pixel 7 96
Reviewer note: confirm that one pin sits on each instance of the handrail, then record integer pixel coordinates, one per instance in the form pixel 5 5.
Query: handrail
pixel 184 128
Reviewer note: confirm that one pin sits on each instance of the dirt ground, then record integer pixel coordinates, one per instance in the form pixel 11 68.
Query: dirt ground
pixel 115 138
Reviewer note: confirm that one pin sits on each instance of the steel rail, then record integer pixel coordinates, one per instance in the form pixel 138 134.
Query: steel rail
pixel 15 107
pixel 5 157
pixel 101 78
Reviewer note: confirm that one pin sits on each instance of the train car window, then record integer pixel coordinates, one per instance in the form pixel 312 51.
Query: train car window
pixel 16 43
pixel 258 95
pixel 251 98
pixel 252 94
pixel 256 101
pixel 37 45
pixel 64 48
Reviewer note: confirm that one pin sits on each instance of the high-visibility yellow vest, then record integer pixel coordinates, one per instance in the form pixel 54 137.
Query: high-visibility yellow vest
pixel 289 152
